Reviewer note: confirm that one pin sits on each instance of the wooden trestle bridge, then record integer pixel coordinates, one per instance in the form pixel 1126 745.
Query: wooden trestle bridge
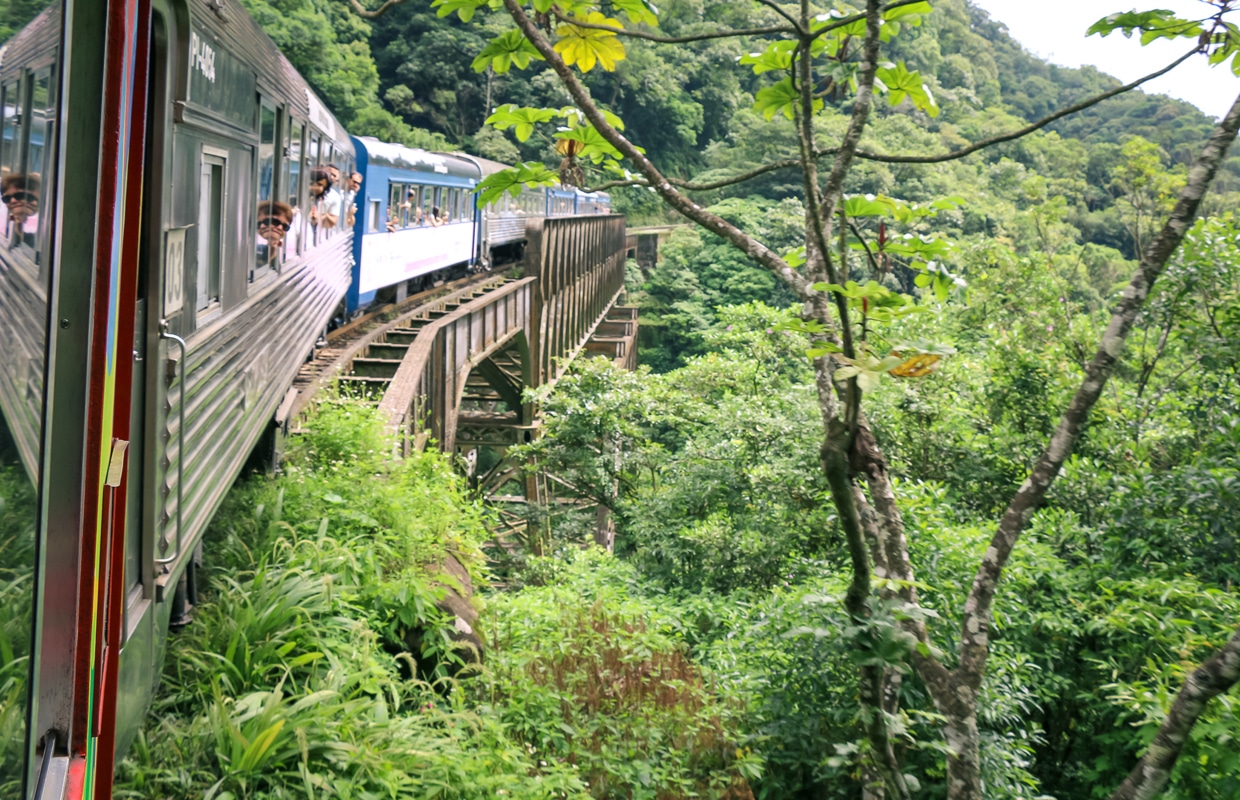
pixel 452 366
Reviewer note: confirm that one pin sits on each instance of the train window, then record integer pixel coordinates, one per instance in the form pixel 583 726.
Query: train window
pixel 10 148
pixel 41 136
pixel 395 199
pixel 372 217
pixel 11 121
pixel 210 224
pixel 274 217
pixel 292 188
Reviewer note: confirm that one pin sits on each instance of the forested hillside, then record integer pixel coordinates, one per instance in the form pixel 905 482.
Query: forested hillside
pixel 416 66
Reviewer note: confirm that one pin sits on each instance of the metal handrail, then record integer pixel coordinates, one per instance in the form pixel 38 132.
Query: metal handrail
pixel 164 333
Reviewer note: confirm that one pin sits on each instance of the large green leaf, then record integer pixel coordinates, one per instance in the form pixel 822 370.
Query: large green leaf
pixel 900 82
pixel 510 49
pixel 530 174
pixel 521 120
pixel 593 145
pixel 777 56
pixel 638 11
pixel 465 9
pixel 780 98
pixel 1156 24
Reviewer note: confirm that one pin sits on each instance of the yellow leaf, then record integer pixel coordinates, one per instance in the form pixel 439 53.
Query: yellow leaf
pixel 587 46
pixel 917 366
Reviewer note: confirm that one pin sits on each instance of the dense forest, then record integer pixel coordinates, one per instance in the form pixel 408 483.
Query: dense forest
pixel 928 486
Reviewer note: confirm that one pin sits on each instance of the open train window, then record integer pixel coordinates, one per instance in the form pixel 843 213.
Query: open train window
pixel 40 137
pixel 274 217
pixel 210 228
pixel 395 198
pixel 10 144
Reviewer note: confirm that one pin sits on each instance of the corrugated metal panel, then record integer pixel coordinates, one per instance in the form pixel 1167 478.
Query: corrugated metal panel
pixel 238 375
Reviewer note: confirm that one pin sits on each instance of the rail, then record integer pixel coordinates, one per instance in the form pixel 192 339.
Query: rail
pixel 428 383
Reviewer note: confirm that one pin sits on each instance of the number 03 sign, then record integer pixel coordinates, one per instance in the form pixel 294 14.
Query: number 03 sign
pixel 174 271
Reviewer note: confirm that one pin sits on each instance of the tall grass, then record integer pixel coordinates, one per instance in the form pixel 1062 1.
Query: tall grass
pixel 292 681
pixel 17 553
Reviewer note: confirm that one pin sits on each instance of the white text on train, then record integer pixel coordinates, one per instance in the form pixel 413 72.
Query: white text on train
pixel 201 57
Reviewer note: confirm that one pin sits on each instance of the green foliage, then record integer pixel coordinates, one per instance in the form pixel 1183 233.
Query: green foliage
pixel 530 174
pixel 17 568
pixel 589 675
pixel 294 678
pixel 509 49
pixel 14 14
pixel 900 83
pixel 780 98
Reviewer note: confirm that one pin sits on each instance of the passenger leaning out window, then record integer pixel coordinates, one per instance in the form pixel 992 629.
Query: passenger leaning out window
pixel 350 199
pixel 274 220
pixel 325 208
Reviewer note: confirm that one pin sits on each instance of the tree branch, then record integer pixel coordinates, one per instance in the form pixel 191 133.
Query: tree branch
pixel 362 11
pixel 796 26
pixel 976 624
pixel 654 37
pixel 711 222
pixel 1025 131
pixel 1212 678
pixel 707 186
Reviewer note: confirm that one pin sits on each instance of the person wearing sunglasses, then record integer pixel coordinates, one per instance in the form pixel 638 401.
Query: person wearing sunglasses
pixel 274 220
pixel 20 193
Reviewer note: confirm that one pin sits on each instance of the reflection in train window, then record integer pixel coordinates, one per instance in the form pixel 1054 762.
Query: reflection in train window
pixel 38 137
pixel 292 188
pixel 12 116
pixel 372 217
pixel 274 218
pixel 210 219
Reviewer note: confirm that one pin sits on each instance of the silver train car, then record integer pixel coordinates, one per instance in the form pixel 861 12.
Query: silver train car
pixel 245 255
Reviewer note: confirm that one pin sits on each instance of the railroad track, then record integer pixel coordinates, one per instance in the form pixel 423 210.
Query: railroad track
pixel 365 354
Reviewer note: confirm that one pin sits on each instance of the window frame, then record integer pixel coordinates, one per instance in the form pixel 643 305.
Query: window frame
pixel 259 272
pixel 294 184
pixel 210 159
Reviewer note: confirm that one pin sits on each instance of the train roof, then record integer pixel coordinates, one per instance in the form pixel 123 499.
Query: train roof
pixel 31 44
pixel 240 35
pixel 488 166
pixel 397 156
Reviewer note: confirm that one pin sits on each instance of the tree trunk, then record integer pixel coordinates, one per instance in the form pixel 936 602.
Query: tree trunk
pixel 1215 676
pixel 604 528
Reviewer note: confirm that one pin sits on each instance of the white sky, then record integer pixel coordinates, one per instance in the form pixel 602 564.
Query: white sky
pixel 1055 30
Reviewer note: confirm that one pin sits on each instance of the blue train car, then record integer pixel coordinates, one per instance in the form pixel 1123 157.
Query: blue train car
pixel 414 216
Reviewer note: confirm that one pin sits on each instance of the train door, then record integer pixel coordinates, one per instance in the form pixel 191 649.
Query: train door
pixel 140 653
